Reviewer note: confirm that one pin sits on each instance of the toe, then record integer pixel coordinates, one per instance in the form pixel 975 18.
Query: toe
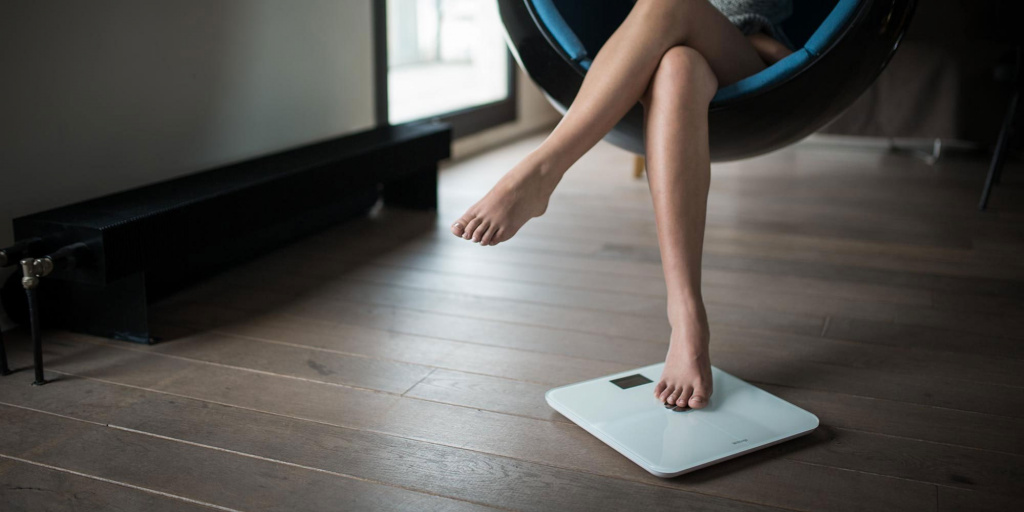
pixel 672 397
pixel 699 400
pixel 684 396
pixel 486 239
pixel 459 226
pixel 664 394
pixel 659 388
pixel 499 236
pixel 471 227
pixel 478 234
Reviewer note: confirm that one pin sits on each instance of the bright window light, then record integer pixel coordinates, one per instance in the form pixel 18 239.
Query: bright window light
pixel 444 56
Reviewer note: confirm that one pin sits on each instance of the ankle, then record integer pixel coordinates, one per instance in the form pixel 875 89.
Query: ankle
pixel 687 310
pixel 548 166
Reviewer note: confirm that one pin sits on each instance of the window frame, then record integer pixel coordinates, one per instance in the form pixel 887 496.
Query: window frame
pixel 466 121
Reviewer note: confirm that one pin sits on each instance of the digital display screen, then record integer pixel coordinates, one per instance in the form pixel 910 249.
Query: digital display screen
pixel 631 381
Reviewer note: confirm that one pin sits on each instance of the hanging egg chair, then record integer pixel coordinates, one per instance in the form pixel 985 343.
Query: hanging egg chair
pixel 842 47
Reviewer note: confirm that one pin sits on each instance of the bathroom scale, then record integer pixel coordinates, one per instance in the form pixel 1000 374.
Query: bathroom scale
pixel 621 411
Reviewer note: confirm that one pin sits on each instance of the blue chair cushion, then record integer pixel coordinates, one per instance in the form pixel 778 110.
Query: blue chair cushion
pixel 771 75
pixel 548 13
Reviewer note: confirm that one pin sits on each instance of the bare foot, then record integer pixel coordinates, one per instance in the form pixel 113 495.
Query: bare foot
pixel 686 380
pixel 520 195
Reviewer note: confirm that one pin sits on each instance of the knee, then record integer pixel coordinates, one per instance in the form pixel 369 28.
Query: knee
pixel 683 72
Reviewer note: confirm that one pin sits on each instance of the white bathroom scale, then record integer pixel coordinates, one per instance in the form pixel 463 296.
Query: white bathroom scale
pixel 621 411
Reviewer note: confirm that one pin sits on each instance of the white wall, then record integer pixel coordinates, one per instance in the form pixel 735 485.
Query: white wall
pixel 107 95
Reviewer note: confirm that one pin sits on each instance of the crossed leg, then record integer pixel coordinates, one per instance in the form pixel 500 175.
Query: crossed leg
pixel 618 76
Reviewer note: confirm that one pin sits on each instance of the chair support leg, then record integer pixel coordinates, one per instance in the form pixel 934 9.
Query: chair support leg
pixel 996 167
pixel 4 369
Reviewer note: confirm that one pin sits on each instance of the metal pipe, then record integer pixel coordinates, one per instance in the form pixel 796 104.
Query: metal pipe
pixel 15 253
pixel 32 269
pixel 30 281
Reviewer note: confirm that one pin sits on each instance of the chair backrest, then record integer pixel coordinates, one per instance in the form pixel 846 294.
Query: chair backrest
pixel 807 16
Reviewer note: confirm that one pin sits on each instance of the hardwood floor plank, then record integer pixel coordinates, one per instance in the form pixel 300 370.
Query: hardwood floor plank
pixel 973 430
pixel 749 361
pixel 610 324
pixel 918 372
pixel 28 487
pixel 890 358
pixel 646 280
pixel 954 500
pixel 431 468
pixel 295 361
pixel 498 361
pixel 896 335
pixel 943 465
pixel 548 368
pixel 755 303
pixel 211 476
pixel 962 321
pixel 764 480
pixel 433 325
pixel 486 393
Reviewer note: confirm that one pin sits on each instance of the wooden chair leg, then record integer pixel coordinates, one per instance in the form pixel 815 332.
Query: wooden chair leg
pixel 638 166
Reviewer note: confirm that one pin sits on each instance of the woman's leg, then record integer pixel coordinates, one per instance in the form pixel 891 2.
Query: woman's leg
pixel 679 173
pixel 619 75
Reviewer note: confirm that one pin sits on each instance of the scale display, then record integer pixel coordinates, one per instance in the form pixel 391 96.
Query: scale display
pixel 621 411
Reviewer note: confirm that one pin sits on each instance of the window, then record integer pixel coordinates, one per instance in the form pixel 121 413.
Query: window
pixel 443 59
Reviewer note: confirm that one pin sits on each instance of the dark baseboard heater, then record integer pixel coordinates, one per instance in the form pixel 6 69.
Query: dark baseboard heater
pixel 143 244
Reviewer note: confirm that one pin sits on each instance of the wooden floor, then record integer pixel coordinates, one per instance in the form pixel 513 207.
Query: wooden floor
pixel 387 365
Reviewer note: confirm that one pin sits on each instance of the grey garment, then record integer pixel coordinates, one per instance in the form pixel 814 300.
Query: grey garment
pixel 753 16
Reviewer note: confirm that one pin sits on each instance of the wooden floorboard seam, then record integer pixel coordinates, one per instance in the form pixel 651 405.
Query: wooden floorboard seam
pixel 225 450
pixel 378 358
pixel 121 484
pixel 433 369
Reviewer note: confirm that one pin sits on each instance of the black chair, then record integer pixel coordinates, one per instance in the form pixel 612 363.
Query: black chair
pixel 843 46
